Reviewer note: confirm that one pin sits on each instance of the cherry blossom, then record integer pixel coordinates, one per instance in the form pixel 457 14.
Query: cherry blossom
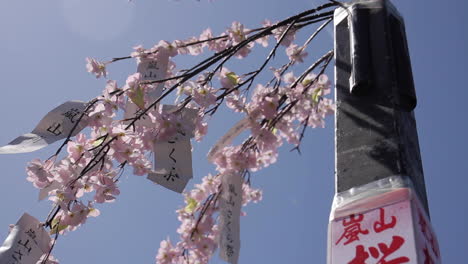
pixel 296 53
pixel 39 173
pixel 277 112
pixel 96 67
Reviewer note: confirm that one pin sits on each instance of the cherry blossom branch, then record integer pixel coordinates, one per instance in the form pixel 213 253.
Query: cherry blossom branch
pixel 89 161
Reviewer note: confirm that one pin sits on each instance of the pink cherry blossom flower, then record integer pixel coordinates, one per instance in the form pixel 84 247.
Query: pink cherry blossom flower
pixel 201 128
pixel 232 159
pixel 39 173
pixel 139 52
pixel 133 81
pixel 288 131
pixel 96 67
pixel 194 49
pixel 263 102
pixel 219 44
pixel 228 79
pixel 180 46
pixel 264 40
pixel 296 54
pixel 164 47
pixel 106 189
pixel 250 194
pixel 204 95
pixel 77 147
pixel 288 39
pixel 76 216
pixel 206 35
pixel 141 166
pixel 265 139
pixel 237 32
pixel 265 159
pixel 166 125
pixel 101 115
pixel 50 260
pixel 166 253
pixel 111 95
pixel 289 78
pixel 235 101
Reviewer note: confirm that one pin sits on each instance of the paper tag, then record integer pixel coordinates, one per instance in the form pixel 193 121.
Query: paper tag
pixel 230 203
pixel 56 125
pixel 235 131
pixel 26 243
pixel 150 70
pixel 173 163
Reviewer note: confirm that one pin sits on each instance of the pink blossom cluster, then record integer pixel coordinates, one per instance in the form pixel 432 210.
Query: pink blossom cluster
pixel 198 231
pixel 89 172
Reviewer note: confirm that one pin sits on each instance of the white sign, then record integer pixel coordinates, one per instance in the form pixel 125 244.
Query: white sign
pixel 56 125
pixel 173 163
pixel 26 243
pixel 383 235
pixel 230 203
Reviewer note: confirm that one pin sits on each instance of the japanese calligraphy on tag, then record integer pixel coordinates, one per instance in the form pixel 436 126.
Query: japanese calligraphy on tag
pixel 235 131
pixel 230 203
pixel 173 158
pixel 173 163
pixel 56 125
pixel 150 70
pixel 26 243
pixel 153 69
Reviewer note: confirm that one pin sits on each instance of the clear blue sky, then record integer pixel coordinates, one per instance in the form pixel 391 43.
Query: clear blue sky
pixel 43 48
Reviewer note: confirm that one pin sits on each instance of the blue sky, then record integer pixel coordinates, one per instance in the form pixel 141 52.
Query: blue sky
pixel 43 48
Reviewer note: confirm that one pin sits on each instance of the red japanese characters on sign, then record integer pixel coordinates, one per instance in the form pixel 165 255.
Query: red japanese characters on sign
pixel 380 236
pixel 428 251
pixel 398 232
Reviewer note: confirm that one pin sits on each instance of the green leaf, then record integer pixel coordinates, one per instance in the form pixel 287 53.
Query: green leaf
pixel 55 229
pixel 191 205
pixel 316 95
pixel 138 97
pixel 233 78
pixel 98 142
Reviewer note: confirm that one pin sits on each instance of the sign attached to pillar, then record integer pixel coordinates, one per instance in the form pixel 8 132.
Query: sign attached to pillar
pixel 398 232
pixel 375 219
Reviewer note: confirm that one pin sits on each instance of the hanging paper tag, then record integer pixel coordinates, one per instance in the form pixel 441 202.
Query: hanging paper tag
pixel 56 125
pixel 150 70
pixel 26 243
pixel 153 69
pixel 235 131
pixel 173 163
pixel 230 203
